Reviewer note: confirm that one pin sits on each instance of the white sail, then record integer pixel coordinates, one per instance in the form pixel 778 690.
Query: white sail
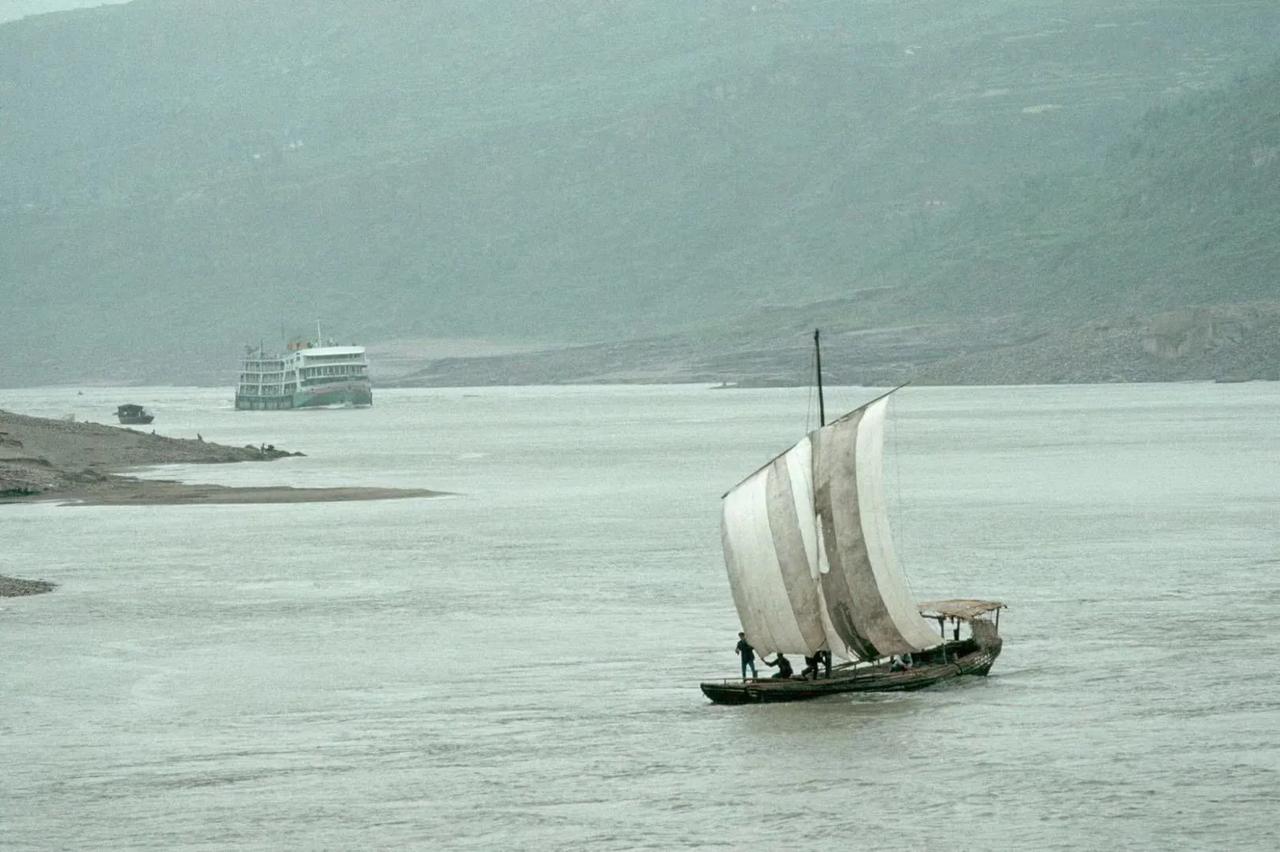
pixel 808 550
pixel 770 558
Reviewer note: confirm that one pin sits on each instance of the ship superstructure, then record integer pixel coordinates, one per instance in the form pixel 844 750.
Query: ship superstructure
pixel 308 373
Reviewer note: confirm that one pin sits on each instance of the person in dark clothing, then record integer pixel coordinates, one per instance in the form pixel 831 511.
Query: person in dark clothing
pixel 819 658
pixel 782 664
pixel 748 655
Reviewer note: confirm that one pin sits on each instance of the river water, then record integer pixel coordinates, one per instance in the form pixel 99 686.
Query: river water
pixel 517 666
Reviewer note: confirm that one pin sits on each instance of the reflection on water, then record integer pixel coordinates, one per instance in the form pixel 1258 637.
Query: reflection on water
pixel 518 665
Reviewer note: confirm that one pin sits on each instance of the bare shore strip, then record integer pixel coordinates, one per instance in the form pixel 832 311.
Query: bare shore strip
pixel 79 463
pixel 125 491
pixel 13 587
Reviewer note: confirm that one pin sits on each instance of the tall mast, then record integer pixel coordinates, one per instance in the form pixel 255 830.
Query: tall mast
pixel 817 354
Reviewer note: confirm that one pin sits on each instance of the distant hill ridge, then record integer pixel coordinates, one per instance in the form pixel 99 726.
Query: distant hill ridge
pixel 181 176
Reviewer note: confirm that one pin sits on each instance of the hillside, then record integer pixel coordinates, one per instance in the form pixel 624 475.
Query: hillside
pixel 1161 264
pixel 1183 211
pixel 179 177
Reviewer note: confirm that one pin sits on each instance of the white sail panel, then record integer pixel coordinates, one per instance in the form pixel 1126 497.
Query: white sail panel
pixel 802 484
pixel 848 588
pixel 873 510
pixel 791 521
pixel 755 576
pixel 799 461
pixel 865 621
pixel 800 467
pixel 770 558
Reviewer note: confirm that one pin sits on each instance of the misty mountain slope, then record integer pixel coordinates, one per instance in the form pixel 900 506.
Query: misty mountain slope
pixel 1163 263
pixel 1184 211
pixel 181 176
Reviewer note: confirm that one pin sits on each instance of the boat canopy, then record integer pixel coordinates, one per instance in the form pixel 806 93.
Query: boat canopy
pixel 963 609
pixel 809 553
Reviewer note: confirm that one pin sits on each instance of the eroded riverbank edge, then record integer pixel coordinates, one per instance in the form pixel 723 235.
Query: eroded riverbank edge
pixel 16 587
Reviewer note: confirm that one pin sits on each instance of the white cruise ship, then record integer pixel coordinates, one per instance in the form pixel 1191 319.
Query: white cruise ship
pixel 308 374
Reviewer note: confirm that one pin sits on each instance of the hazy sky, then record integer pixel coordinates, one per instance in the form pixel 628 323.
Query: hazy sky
pixel 11 10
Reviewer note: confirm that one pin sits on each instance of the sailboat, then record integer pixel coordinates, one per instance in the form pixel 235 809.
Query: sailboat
pixel 813 572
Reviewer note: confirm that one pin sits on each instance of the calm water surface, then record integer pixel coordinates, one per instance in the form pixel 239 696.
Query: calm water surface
pixel 517 666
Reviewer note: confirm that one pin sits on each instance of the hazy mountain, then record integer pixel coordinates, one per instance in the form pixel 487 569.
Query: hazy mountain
pixel 177 178
pixel 1160 263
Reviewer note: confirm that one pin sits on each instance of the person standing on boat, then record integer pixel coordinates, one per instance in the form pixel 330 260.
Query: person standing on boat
pixel 748 655
pixel 783 665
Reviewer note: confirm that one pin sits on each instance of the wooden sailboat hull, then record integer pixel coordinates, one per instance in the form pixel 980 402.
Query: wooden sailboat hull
pixel 965 658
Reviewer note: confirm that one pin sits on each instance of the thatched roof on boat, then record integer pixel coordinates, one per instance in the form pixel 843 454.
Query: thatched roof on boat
pixel 963 609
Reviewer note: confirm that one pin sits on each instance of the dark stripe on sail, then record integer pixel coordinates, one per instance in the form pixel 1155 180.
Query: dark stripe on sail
pixel 793 561
pixel 854 602
pixel 841 608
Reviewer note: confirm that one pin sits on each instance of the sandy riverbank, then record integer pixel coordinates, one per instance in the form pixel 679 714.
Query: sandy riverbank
pixel 80 463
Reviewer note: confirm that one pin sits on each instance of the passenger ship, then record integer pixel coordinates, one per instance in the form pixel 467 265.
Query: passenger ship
pixel 308 374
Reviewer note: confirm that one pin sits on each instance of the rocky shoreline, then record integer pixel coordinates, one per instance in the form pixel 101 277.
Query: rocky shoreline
pixel 81 463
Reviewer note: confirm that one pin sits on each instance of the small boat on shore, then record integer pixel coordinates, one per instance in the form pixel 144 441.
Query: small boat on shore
pixel 133 415
pixel 813 572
